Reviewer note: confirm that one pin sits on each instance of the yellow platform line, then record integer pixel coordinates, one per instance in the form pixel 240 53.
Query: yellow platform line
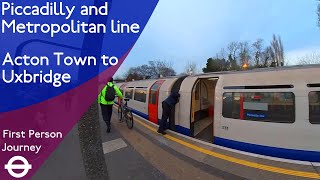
pixel 236 160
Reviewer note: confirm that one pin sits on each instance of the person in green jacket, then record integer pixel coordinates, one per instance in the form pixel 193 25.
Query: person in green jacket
pixel 106 106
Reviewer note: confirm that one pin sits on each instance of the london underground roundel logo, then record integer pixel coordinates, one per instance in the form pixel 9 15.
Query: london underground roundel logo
pixel 25 166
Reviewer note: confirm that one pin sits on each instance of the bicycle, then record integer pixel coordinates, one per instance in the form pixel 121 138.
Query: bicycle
pixel 125 113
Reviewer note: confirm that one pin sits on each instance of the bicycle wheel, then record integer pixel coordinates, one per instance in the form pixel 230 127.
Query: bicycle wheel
pixel 120 114
pixel 129 119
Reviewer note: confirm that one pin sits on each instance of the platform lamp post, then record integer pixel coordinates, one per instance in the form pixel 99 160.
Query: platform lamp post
pixel 89 125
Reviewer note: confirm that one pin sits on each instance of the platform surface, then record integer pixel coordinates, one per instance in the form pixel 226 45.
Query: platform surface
pixel 141 153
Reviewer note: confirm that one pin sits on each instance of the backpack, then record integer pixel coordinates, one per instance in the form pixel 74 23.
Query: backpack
pixel 110 93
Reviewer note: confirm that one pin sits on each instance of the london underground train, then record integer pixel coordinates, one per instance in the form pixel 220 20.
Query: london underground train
pixel 273 112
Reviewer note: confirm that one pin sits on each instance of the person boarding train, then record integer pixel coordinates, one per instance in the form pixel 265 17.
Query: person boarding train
pixel 167 108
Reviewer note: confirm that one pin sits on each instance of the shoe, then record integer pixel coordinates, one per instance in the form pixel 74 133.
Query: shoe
pixel 161 132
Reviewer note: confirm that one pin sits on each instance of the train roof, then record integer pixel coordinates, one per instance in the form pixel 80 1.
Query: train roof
pixel 156 79
pixel 269 69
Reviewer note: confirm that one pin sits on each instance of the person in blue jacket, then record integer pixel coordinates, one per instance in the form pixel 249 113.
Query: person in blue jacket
pixel 167 106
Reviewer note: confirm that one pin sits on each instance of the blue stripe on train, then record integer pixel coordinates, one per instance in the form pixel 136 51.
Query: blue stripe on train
pixel 183 130
pixel 141 114
pixel 301 155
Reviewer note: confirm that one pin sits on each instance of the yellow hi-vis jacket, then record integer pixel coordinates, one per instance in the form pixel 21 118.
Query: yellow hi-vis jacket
pixel 101 97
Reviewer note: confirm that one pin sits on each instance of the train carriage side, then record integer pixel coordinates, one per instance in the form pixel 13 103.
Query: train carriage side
pixel 274 113
pixel 138 93
pixel 146 96
pixel 270 116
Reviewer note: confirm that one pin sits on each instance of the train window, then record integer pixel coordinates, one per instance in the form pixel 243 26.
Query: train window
pixel 155 86
pixel 153 92
pixel 153 97
pixel 260 106
pixel 129 93
pixel 231 105
pixel 314 107
pixel 140 95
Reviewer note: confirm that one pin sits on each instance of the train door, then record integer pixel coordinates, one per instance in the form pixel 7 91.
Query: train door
pixel 175 88
pixel 154 101
pixel 202 109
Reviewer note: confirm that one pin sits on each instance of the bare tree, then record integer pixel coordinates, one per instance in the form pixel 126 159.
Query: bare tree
pixel 232 51
pixel 190 68
pixel 144 71
pixel 233 48
pixel 313 58
pixel 153 69
pixel 118 78
pixel 257 48
pixel 125 74
pixel 277 54
pixel 244 53
pixel 266 57
pixel 162 68
pixel 223 54
pixel 132 74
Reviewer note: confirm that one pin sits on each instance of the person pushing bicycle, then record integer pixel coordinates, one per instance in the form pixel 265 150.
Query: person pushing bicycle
pixel 106 101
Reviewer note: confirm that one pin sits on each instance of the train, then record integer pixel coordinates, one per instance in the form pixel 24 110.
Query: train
pixel 273 112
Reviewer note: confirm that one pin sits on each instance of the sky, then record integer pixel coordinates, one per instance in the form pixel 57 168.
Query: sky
pixel 186 30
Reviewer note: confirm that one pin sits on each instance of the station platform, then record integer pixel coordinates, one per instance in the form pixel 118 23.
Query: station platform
pixel 143 154
pixel 175 156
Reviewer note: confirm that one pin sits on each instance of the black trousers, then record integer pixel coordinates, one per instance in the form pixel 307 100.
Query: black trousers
pixel 106 114
pixel 166 112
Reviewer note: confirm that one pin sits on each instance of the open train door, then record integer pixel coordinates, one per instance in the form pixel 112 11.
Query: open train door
pixel 202 108
pixel 154 101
